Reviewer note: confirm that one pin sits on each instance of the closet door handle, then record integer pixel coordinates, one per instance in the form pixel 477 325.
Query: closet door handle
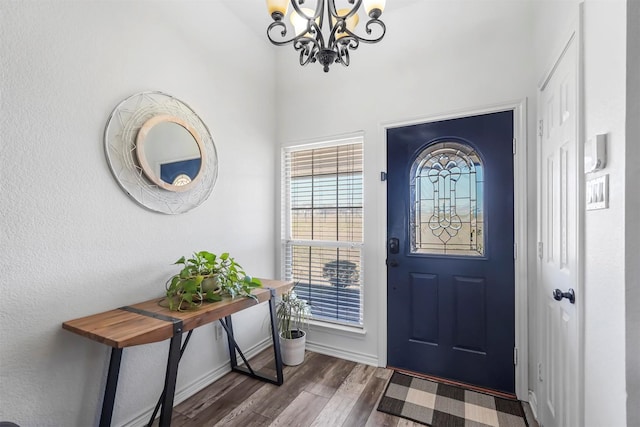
pixel 570 295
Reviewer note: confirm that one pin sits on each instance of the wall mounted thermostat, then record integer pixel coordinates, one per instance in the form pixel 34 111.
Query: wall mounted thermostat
pixel 595 153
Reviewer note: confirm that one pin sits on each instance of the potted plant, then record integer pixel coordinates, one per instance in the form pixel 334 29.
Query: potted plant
pixel 292 314
pixel 208 277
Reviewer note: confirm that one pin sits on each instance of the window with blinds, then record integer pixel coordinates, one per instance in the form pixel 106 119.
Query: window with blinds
pixel 322 228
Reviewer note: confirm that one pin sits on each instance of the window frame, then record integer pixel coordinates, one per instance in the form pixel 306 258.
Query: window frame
pixel 286 224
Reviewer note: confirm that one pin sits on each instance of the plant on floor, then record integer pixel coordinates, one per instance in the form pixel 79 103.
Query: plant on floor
pixel 293 313
pixel 208 277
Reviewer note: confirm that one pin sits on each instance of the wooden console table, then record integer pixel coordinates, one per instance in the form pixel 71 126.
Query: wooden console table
pixel 148 322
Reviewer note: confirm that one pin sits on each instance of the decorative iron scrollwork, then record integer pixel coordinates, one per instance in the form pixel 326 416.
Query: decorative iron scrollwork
pixel 309 39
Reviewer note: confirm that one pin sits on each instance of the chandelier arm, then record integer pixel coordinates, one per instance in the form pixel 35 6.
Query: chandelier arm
pixel 374 21
pixel 318 41
pixel 317 14
pixel 349 42
pixel 308 49
pixel 310 44
pixel 339 27
pixel 354 9
pixel 283 33
pixel 316 30
pixel 331 13
pixel 313 27
pixel 368 29
pixel 343 52
pixel 345 58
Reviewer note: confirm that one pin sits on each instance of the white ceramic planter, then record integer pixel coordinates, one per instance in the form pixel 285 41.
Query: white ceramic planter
pixel 293 349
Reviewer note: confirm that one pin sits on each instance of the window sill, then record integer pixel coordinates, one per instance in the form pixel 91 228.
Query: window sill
pixel 337 329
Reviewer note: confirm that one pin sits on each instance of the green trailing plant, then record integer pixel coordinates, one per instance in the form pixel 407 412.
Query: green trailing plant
pixel 292 313
pixel 208 277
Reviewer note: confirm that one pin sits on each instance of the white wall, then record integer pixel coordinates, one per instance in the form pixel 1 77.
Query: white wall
pixel 604 285
pixel 632 214
pixel 437 57
pixel 73 243
pixel 605 82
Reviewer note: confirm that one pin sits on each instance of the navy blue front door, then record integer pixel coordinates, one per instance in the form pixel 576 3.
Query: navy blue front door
pixel 450 250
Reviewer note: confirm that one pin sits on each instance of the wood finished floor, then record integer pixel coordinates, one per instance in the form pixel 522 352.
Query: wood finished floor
pixel 322 392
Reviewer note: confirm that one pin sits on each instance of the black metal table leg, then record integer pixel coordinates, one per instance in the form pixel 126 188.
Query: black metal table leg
pixel 275 336
pixel 233 347
pixel 110 388
pixel 162 396
pixel 171 376
pixel 228 327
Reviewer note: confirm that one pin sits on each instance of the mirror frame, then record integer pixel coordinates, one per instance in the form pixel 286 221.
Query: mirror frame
pixel 142 139
pixel 121 145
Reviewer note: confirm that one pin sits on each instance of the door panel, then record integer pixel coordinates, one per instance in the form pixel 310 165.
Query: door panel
pixel 424 307
pixel 470 313
pixel 558 260
pixel 451 286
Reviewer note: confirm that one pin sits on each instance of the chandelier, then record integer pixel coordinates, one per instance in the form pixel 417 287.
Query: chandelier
pixel 309 35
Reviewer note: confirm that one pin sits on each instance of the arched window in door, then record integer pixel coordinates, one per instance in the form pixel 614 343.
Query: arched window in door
pixel 446 193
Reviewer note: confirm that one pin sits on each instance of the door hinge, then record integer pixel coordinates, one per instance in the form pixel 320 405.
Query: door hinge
pixel 515 251
pixel 540 250
pixel 514 146
pixel 540 128
pixel 540 372
pixel 383 176
pixel 515 355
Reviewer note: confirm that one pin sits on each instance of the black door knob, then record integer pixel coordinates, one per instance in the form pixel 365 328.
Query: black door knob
pixel 570 295
pixel 392 263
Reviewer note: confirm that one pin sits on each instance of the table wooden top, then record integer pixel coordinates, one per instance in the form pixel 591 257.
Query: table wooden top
pixel 120 328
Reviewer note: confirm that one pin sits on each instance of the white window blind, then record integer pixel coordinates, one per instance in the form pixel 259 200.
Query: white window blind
pixel 322 228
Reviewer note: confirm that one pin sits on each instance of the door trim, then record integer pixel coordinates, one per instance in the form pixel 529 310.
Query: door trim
pixel 520 180
pixel 574 33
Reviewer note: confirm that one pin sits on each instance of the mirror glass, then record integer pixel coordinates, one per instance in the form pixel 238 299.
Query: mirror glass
pixel 170 153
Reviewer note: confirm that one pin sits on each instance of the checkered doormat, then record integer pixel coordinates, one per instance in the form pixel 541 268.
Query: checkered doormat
pixel 443 405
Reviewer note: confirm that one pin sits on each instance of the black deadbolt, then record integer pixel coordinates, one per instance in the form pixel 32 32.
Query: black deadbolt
pixel 394 245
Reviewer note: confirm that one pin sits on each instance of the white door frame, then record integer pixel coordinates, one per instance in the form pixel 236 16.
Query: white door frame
pixel 519 108
pixel 574 34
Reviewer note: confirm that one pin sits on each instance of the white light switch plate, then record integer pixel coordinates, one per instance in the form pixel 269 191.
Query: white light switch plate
pixel 598 193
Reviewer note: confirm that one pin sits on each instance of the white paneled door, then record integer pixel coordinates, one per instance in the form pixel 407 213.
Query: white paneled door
pixel 558 265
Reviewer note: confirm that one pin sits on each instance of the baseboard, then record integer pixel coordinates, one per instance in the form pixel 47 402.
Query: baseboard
pixel 533 403
pixel 367 359
pixel 190 389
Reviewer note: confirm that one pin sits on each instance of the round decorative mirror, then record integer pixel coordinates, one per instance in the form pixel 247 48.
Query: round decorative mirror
pixel 161 153
pixel 170 153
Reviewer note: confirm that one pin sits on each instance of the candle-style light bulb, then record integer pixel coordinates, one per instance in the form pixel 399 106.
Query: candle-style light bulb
pixel 277 8
pixel 374 8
